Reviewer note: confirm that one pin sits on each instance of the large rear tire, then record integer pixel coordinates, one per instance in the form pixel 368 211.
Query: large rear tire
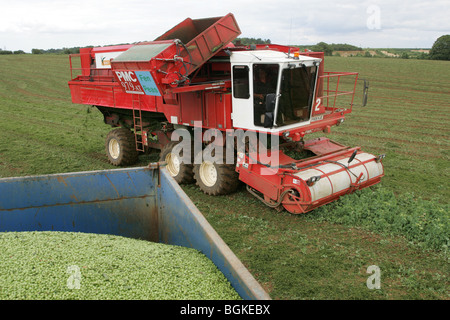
pixel 215 178
pixel 181 172
pixel 121 147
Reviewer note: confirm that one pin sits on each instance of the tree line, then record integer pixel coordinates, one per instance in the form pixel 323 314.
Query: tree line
pixel 12 52
pixel 321 46
pixel 42 51
pixel 439 51
pixel 57 51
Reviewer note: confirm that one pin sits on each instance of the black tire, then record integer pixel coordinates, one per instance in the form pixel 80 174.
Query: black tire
pixel 120 147
pixel 227 179
pixel 182 174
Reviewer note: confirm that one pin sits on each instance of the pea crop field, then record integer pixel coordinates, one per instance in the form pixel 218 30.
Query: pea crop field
pixel 402 225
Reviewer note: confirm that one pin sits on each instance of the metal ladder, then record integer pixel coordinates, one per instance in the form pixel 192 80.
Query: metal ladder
pixel 137 121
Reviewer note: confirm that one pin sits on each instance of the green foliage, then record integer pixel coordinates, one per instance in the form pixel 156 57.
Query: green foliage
pixel 39 265
pixel 423 56
pixel 328 49
pixel 57 51
pixel 344 47
pixel 11 52
pixel 424 222
pixel 305 257
pixel 248 41
pixel 323 47
pixel 37 51
pixel 441 48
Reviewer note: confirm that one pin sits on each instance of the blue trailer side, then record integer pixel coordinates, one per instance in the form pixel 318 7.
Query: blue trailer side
pixel 143 203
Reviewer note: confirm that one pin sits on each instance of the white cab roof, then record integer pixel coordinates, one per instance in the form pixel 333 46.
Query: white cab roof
pixel 264 56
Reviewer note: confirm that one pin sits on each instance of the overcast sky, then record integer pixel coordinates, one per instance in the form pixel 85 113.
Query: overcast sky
pixel 45 24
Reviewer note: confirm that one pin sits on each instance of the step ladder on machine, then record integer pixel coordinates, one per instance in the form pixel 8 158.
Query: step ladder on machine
pixel 137 121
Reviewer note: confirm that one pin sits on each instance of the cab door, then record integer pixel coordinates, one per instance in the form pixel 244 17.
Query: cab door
pixel 242 114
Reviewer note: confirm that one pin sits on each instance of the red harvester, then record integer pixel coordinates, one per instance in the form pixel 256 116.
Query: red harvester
pixel 194 78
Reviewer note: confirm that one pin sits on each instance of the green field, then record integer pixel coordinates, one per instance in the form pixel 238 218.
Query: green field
pixel 402 226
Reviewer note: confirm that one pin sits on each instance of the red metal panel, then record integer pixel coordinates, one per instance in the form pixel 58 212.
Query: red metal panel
pixel 321 146
pixel 75 92
pixel 110 49
pixel 320 55
pixel 97 95
pixel 85 61
pixel 217 111
pixel 191 105
pixel 212 39
pixel 228 110
pixel 266 184
pixel 172 111
pixel 210 119
pixel 171 66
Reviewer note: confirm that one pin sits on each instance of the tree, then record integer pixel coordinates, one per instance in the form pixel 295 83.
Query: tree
pixel 323 47
pixel 441 48
pixel 248 41
pixel 344 47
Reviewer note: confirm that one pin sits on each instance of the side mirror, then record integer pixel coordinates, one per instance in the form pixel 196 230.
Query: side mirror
pixel 352 157
pixel 365 92
pixel 270 107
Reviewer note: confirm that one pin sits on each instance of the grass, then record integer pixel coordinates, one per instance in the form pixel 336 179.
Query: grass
pixel 321 255
pixel 405 119
pixel 308 257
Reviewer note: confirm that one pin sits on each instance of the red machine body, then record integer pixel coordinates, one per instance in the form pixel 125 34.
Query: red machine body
pixel 193 76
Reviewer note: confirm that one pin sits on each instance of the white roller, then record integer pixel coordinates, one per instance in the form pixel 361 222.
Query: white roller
pixel 342 180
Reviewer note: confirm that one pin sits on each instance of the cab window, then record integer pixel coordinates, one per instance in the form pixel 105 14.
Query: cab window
pixel 241 83
pixel 264 82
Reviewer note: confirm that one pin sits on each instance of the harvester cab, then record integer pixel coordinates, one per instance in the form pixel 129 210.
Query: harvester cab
pixel 272 91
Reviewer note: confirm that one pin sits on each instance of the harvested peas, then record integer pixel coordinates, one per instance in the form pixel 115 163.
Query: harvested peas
pixel 49 265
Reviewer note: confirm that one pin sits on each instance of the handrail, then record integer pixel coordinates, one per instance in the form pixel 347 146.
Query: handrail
pixel 70 62
pixel 329 93
pixel 90 74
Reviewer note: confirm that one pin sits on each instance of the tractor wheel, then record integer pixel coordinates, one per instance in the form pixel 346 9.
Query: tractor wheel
pixel 121 147
pixel 216 179
pixel 181 172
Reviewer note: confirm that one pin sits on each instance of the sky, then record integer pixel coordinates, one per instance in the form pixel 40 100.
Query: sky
pixel 46 24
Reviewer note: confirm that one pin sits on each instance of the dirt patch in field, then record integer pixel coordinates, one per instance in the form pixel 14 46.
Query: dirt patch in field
pixel 354 53
pixel 393 55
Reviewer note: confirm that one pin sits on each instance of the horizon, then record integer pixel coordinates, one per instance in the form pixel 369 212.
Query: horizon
pixel 293 45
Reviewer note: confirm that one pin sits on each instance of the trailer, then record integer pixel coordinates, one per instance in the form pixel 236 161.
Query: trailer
pixel 142 203
pixel 223 114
